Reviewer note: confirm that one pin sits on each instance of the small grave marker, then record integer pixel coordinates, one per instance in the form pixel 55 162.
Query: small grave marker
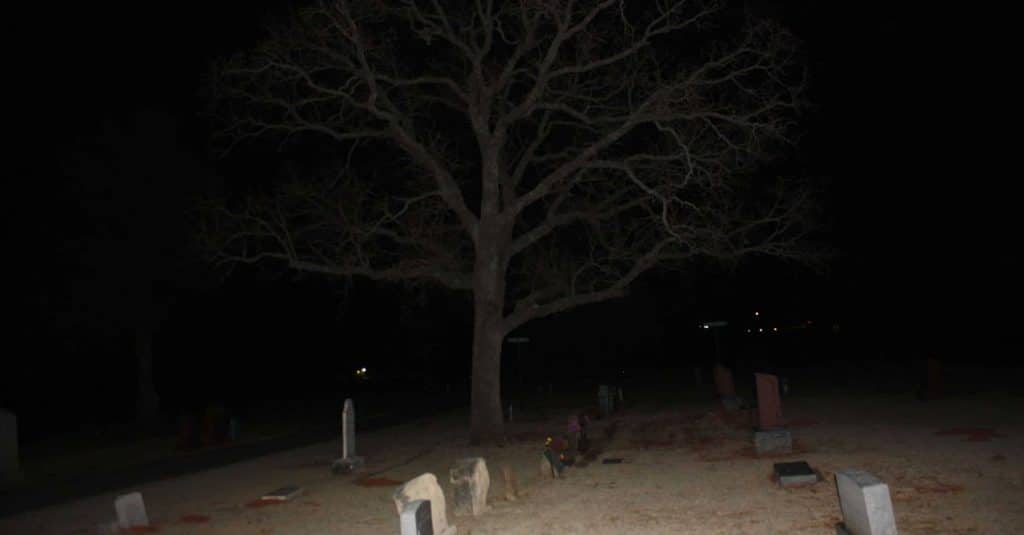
pixel 511 485
pixel 865 503
pixel 416 518
pixel 425 487
pixel 131 511
pixel 794 474
pixel 283 494
pixel 773 441
pixel 470 481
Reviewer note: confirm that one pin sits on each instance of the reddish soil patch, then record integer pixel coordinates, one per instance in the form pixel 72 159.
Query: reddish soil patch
pixel 938 488
pixel 998 457
pixel 256 504
pixel 378 482
pixel 973 434
pixel 749 452
pixel 194 519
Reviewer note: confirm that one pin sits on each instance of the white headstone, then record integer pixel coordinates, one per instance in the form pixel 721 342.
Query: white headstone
pixel 9 467
pixel 470 481
pixel 425 487
pixel 131 511
pixel 348 430
pixel 865 502
pixel 416 518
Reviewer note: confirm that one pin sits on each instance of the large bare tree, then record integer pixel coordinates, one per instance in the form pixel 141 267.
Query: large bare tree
pixel 537 154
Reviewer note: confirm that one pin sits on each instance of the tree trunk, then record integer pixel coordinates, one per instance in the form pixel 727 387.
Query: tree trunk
pixel 486 421
pixel 148 402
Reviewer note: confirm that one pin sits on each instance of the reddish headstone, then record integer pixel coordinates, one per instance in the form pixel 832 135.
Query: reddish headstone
pixel 769 406
pixel 723 381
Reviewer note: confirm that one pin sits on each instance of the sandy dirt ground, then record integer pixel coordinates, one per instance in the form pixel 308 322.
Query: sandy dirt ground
pixel 953 467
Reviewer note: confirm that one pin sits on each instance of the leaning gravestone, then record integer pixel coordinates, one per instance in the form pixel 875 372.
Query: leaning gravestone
pixel 131 511
pixel 416 518
pixel 470 481
pixel 9 467
pixel 425 487
pixel 349 461
pixel 866 505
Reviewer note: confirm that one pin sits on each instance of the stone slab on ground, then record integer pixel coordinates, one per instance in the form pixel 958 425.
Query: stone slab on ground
pixel 770 441
pixel 865 503
pixel 283 494
pixel 794 474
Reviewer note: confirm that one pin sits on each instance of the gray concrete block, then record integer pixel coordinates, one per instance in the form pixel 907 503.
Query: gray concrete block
pixel 866 504
pixel 773 441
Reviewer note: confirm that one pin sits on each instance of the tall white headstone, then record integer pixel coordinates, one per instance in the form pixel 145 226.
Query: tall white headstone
pixel 9 468
pixel 131 511
pixel 349 461
pixel 866 504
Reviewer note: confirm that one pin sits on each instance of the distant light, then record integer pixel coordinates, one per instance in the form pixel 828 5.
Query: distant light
pixel 364 370
pixel 748 330
pixel 706 326
pixel 760 330
pixel 757 313
pixel 776 329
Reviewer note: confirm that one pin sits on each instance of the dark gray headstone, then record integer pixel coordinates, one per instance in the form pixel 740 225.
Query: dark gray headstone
pixel 9 467
pixel 773 441
pixel 131 511
pixel 795 473
pixel 866 504
pixel 416 519
pixel 604 400
pixel 348 430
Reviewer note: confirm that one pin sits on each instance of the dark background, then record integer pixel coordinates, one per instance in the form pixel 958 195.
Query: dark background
pixel 902 131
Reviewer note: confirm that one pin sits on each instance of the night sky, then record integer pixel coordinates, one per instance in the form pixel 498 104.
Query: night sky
pixel 922 220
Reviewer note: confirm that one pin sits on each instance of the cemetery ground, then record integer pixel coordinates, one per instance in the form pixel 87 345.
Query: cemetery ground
pixel 953 465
